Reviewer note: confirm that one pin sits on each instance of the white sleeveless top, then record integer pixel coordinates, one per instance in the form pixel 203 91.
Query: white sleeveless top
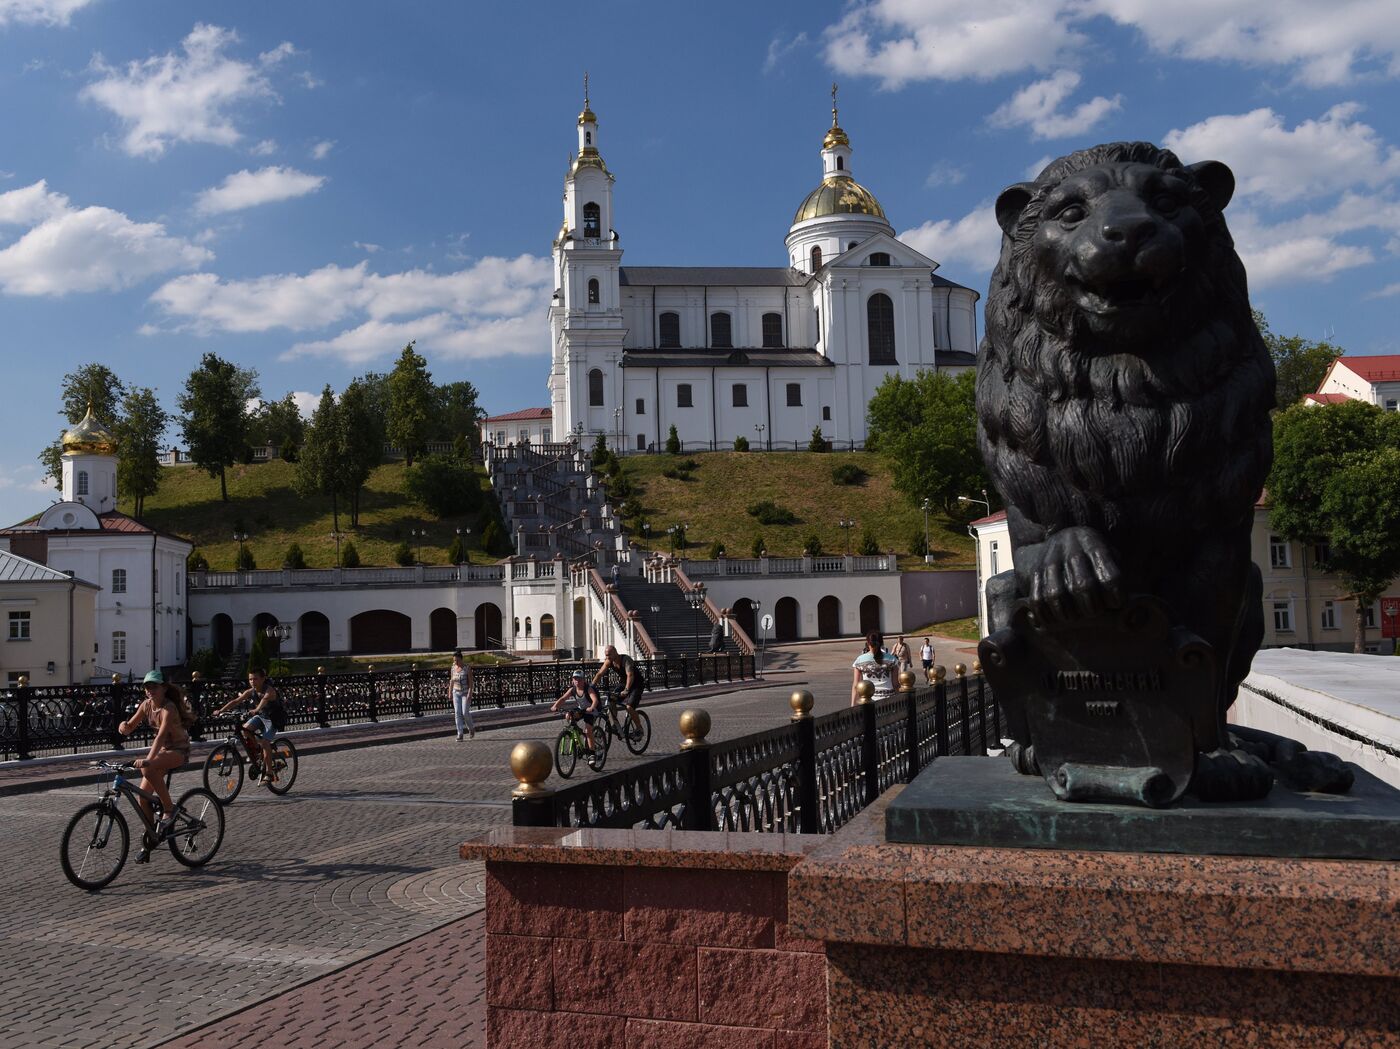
pixel 881 674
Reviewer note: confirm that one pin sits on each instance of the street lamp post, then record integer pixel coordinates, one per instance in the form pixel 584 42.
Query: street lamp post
pixel 655 622
pixel 846 524
pixel 759 428
pixel 928 554
pixel 337 536
pixel 240 538
pixel 418 534
pixel 465 534
pixel 757 606
pixel 646 534
pixel 986 503
pixel 696 600
pixel 617 428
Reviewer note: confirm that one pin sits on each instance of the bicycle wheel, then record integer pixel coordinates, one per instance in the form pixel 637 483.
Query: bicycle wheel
pixel 284 762
pixel 565 754
pixel 637 738
pixel 223 772
pixel 199 827
pixel 94 845
pixel 598 756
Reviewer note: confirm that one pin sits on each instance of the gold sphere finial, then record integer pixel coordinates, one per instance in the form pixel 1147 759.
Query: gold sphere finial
pixel 24 680
pixel 116 679
pixel 865 692
pixel 801 702
pixel 906 681
pixel 940 672
pixel 196 676
pixel 695 726
pixel 530 764
pixel 370 668
pixel 960 669
pixel 320 670
pixel 977 666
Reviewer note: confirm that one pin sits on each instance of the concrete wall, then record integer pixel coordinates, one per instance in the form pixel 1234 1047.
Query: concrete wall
pixel 933 597
pixel 725 592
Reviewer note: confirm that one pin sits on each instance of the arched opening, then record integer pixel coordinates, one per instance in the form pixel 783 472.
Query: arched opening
pixel 879 323
pixel 721 330
pixel 595 388
pixel 840 163
pixel 871 613
pixel 669 330
pixel 221 627
pixel 442 630
pixel 785 619
pixel 816 258
pixel 772 330
pixel 829 616
pixel 315 632
pixel 271 645
pixel 743 612
pixel 547 633
pixel 879 258
pixel 488 626
pixel 592 220
pixel 527 628
pixel 380 630
pixel 593 290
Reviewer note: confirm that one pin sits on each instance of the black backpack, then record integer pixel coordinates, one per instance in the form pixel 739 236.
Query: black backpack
pixel 276 713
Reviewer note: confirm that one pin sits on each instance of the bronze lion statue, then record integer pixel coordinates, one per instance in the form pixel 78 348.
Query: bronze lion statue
pixel 1123 398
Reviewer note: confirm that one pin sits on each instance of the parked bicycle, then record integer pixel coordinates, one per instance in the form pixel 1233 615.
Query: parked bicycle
pixel 224 770
pixel 97 839
pixel 616 722
pixel 573 741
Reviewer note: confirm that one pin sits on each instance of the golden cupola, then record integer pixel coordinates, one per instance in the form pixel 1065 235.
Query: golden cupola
pixel 839 193
pixel 89 437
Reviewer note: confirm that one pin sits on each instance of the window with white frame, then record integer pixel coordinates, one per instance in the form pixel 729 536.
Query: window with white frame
pixel 119 646
pixel 996 557
pixel 500 438
pixel 82 482
pixel 1279 556
pixel 19 626
pixel 1369 615
pixel 544 436
pixel 1329 615
pixel 119 580
pixel 1283 617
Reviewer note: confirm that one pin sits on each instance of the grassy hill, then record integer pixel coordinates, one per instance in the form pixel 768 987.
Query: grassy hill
pixel 714 505
pixel 264 503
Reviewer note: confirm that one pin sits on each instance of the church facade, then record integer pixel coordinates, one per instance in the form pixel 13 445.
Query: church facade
pixel 768 353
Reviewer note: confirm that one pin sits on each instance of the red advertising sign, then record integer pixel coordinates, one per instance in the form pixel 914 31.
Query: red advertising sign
pixel 1390 617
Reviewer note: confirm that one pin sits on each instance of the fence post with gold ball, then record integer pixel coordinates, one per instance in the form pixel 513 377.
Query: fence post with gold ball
pixel 699 806
pixel 801 703
pixel 808 805
pixel 865 692
pixel 531 802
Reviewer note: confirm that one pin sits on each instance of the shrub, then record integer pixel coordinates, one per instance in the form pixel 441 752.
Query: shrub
pixel 619 489
pixel 678 537
pixel 818 442
pixel 630 508
pixel 716 549
pixel 294 558
pixel 759 546
pixel 813 545
pixel 673 441
pixel 493 537
pixel 245 562
pixel 207 662
pixel 444 485
pixel 600 451
pixel 741 444
pixel 917 546
pixel 869 545
pixel 457 551
pixel 403 554
pixel 770 513
pixel 196 562
pixel 687 465
pixel 848 474
pixel 349 556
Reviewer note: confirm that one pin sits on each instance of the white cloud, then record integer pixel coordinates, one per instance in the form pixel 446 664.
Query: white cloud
pixel 306 402
pixel 491 308
pixel 321 149
pixel 368 249
pixel 971 242
pixel 184 97
pixel 1389 291
pixel 247 189
pixel 39 12
pixel 25 479
pixel 898 41
pixel 779 48
pixel 310 81
pixel 67 249
pixel 945 173
pixel 1033 171
pixel 1037 106
pixel 278 54
pixel 1269 160
pixel 265 148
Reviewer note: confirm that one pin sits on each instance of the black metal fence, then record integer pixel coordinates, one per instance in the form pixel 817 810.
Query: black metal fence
pixel 46 720
pixel 809 776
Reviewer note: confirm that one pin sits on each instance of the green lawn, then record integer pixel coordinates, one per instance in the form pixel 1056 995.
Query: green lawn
pixel 264 503
pixel 714 505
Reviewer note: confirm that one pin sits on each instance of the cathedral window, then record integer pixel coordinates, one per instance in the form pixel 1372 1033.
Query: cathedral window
pixel 879 258
pixel 641 442
pixel 119 646
pixel 741 395
pixel 119 580
pixel 641 406
pixel 592 220
pixel 670 334
pixel 683 399
pixel 721 334
pixel 588 138
pixel 794 395
pixel 772 330
pixel 593 290
pixel 879 317
pixel 816 259
pixel 826 413
pixel 840 163
pixel 82 482
pixel 595 388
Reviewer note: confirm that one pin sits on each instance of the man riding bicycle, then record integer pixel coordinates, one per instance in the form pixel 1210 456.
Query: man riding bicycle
pixel 585 703
pixel 633 683
pixel 268 717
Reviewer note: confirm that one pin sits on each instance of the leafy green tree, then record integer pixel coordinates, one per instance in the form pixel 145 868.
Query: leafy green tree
pixel 1336 479
pixel 94 385
pixel 361 442
pixel 349 556
pixel 458 414
pixel 673 441
pixel 457 551
pixel 925 429
pixel 294 558
pixel 245 562
pixel 279 424
pixel 818 441
pixel 413 404
pixel 869 545
pixel 320 467
pixel 493 538
pixel 741 444
pixel 1299 363
pixel 139 432
pixel 444 485
pixel 812 547
pixel 403 554
pixel 257 654
pixel 215 424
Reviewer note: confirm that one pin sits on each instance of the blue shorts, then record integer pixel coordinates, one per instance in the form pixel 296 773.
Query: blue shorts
pixel 261 727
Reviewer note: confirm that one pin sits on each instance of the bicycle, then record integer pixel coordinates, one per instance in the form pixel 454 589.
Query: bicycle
pixel 224 774
pixel 90 857
pixel 617 722
pixel 572 742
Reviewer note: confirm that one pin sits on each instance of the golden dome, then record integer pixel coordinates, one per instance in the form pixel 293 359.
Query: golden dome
pixel 587 117
pixel 835 137
pixel 839 194
pixel 90 437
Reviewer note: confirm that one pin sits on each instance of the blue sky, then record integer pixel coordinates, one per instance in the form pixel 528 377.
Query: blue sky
pixel 304 187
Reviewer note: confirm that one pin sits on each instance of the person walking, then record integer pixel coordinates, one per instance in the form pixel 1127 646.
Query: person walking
pixel 460 683
pixel 926 657
pixel 876 666
pixel 716 638
pixel 616 572
pixel 902 654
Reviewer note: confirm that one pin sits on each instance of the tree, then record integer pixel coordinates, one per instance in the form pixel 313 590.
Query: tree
pixel 139 432
pixel 279 425
pixel 741 444
pixel 493 537
pixel 444 485
pixel 759 546
pixel 215 423
pixel 361 441
pixel 245 562
pixel 457 551
pixel 320 466
pixel 1300 365
pixel 92 385
pixel 1336 480
pixel 458 412
pixel 196 562
pixel 673 441
pixel 869 545
pixel 925 429
pixel 813 546
pixel 412 404
pixel 349 556
pixel 403 554
pixel 818 441
pixel 294 558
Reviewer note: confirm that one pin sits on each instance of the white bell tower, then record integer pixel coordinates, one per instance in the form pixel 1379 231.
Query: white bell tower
pixel 90 465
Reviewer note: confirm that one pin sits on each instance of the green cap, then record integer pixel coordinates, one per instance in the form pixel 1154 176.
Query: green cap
pixel 154 677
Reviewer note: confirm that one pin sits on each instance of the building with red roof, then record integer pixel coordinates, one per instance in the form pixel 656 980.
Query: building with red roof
pixel 1374 379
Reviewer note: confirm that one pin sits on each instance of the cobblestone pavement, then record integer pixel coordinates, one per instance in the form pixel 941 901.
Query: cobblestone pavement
pixel 359 858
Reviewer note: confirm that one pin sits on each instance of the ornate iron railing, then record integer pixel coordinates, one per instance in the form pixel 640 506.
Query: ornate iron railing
pixel 46 720
pixel 811 776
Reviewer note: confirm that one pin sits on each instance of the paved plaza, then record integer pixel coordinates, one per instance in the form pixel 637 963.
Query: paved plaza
pixel 328 884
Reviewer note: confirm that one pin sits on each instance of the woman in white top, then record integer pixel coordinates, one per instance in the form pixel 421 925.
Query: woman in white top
pixel 460 681
pixel 876 666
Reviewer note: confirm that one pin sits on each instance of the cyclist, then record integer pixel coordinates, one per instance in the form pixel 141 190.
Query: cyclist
pixel 585 703
pixel 266 719
pixel 170 716
pixel 632 681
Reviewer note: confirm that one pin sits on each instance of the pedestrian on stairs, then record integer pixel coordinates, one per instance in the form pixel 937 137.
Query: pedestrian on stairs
pixel 615 573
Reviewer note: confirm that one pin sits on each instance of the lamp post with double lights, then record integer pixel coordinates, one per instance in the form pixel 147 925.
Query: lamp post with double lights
pixel 418 534
pixel 759 428
pixel 655 622
pixel 986 503
pixel 928 554
pixel 757 607
pixel 465 535
pixel 846 524
pixel 240 538
pixel 278 632
pixel 696 600
pixel 337 536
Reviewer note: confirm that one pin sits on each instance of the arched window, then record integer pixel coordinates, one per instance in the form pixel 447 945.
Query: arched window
pixel 720 332
pixel 840 163
pixel 527 626
pixel 816 259
pixel 772 330
pixel 879 258
pixel 670 333
pixel 592 220
pixel 879 317
pixel 588 138
pixel 593 290
pixel 595 387
pixel 82 482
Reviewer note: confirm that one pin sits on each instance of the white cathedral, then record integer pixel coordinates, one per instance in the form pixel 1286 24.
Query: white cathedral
pixel 768 353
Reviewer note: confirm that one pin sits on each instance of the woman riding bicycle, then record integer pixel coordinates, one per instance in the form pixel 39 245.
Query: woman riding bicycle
pixel 170 716
pixel 586 702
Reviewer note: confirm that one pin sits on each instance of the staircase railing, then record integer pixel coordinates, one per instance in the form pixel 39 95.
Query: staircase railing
pixel 640 638
pixel 741 639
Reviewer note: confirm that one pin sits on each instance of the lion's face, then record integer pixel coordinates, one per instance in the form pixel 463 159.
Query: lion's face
pixel 1114 242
